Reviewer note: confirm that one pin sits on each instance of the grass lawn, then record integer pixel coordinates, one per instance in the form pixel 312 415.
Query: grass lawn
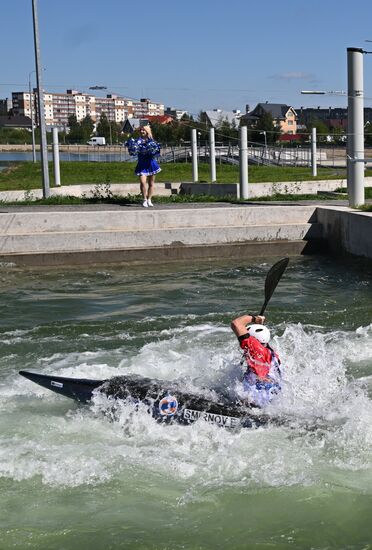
pixel 367 192
pixel 27 175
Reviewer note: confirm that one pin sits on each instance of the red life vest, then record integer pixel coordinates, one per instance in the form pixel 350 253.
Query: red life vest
pixel 260 359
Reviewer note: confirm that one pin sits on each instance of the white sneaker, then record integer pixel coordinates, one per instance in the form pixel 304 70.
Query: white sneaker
pixel 145 203
pixel 149 203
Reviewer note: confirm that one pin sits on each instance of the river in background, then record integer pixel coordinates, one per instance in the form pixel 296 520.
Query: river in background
pixel 72 477
pixel 96 155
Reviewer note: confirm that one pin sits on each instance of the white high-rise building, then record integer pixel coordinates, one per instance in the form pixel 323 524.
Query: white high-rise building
pixel 59 107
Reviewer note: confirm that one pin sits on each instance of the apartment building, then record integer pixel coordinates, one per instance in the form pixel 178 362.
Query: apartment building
pixel 5 106
pixel 176 114
pixel 145 107
pixel 59 107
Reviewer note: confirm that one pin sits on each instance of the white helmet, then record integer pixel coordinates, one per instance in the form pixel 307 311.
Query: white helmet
pixel 260 332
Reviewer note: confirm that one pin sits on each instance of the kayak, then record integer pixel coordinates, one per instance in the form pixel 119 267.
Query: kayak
pixel 167 403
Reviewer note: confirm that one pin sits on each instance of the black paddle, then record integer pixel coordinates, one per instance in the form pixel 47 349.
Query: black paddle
pixel 272 279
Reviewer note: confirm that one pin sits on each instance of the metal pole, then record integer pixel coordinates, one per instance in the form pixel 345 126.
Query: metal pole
pixel 32 119
pixel 243 161
pixel 355 127
pixel 194 155
pixel 40 97
pixel 212 157
pixel 313 152
pixel 57 174
pixel 265 137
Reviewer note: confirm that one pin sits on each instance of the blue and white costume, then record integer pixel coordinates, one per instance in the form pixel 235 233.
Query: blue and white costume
pixel 146 150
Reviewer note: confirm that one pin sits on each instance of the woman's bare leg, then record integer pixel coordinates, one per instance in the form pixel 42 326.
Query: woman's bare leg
pixel 143 186
pixel 151 182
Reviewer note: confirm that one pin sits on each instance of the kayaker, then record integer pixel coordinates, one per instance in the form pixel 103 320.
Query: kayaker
pixel 261 381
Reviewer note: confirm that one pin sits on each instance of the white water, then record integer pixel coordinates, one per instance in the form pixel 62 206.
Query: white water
pixel 328 438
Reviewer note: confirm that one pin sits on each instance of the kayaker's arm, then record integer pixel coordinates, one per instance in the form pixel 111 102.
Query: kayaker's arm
pixel 239 325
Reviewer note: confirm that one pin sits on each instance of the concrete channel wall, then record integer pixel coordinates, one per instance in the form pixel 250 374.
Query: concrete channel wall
pixel 347 231
pixel 81 235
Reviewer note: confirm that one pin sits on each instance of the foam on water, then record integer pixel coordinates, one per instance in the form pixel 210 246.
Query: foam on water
pixel 329 431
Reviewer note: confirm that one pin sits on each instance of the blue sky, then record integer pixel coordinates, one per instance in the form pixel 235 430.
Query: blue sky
pixel 197 54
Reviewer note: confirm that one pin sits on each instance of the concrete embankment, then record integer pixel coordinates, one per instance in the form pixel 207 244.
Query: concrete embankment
pixel 37 235
pixel 93 234
pixel 346 231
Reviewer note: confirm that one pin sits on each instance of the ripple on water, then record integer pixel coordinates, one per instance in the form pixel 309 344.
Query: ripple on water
pixel 329 433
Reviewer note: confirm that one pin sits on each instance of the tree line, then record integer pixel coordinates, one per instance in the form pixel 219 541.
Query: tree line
pixel 178 132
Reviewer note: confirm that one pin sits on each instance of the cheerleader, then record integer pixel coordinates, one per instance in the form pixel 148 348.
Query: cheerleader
pixel 146 149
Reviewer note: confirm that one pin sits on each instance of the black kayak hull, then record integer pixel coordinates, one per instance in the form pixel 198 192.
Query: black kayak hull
pixel 166 402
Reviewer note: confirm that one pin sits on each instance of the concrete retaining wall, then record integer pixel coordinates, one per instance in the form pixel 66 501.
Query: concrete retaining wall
pixel 347 231
pixel 140 219
pixel 41 234
pixel 57 236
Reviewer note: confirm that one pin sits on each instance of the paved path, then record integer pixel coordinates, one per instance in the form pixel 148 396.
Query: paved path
pixel 168 206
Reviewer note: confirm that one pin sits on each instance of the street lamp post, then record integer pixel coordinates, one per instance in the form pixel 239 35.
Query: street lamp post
pixel 194 155
pixel 355 129
pixel 40 97
pixel 265 138
pixel 243 162
pixel 32 118
pixel 109 120
pixel 355 125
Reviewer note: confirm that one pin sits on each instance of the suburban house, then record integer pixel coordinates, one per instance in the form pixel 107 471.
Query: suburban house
pixel 176 114
pixel 132 124
pixel 216 116
pixel 160 119
pixel 283 116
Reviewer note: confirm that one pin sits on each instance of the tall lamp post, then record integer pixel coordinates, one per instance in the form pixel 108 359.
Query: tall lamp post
pixel 40 98
pixel 355 126
pixel 265 138
pixel 32 118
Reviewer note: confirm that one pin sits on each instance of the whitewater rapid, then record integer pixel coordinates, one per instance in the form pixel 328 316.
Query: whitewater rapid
pixel 325 396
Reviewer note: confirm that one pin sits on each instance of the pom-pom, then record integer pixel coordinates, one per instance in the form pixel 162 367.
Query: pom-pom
pixel 132 147
pixel 153 148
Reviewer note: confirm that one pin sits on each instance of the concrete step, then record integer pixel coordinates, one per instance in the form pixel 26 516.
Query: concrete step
pixel 84 240
pixel 21 223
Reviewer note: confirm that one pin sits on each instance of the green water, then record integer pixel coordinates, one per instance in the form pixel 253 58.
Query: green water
pixel 72 478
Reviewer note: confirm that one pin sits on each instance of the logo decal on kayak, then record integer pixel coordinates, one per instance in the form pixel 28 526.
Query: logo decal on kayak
pixel 219 419
pixel 56 384
pixel 168 405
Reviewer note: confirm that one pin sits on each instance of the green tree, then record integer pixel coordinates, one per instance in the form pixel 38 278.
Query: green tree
pixel 104 128
pixel 87 127
pixel 339 136
pixel 368 134
pixel 265 128
pixel 322 130
pixel 75 135
pixel 226 131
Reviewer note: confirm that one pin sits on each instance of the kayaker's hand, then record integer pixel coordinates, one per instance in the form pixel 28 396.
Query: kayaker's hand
pixel 260 319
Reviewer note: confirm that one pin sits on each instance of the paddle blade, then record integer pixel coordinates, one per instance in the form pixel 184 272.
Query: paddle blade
pixel 272 279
